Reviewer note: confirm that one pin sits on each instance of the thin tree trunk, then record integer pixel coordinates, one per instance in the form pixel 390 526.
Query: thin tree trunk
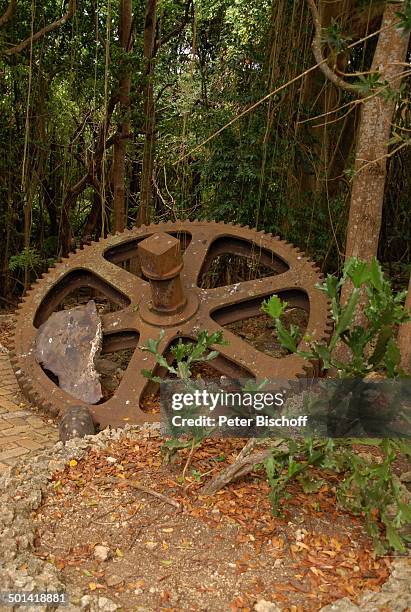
pixel 120 144
pixel 89 178
pixel 404 336
pixel 367 195
pixel 364 222
pixel 149 114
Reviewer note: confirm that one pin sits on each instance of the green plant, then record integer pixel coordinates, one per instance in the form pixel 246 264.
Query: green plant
pixel 334 37
pixel 368 83
pixel 405 17
pixel 368 488
pixel 372 345
pixel 28 258
pixel 184 355
pixel 31 259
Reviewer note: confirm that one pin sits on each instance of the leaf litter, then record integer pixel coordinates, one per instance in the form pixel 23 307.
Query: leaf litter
pixel 171 548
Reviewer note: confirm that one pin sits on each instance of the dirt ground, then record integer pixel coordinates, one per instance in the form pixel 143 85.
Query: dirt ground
pixel 190 552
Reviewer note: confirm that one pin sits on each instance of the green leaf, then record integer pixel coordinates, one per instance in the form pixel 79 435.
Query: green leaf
pixel 151 376
pixel 346 317
pixel 164 363
pixel 211 355
pixel 331 286
pixel 324 354
pixel 381 346
pixel 310 485
pixel 285 337
pixel 392 357
pixel 405 511
pixel 359 273
pixel 394 538
pixel 274 307
pixel 181 350
pixel 376 274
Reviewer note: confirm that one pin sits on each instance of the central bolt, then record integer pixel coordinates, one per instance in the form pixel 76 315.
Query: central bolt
pixel 161 263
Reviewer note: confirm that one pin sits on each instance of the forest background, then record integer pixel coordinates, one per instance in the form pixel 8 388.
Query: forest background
pixel 121 112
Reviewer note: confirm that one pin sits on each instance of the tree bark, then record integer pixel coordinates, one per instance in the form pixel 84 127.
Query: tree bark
pixel 404 336
pixel 243 465
pixel 89 178
pixel 364 222
pixel 367 194
pixel 8 13
pixel 120 143
pixel 43 32
pixel 149 114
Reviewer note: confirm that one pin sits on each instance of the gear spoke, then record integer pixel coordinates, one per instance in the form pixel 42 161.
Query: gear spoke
pixel 133 380
pixel 249 290
pixel 119 321
pixel 195 254
pixel 128 284
pixel 260 365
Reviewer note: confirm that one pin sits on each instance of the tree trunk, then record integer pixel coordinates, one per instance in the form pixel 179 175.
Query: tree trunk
pixel 120 143
pixel 149 114
pixel 404 336
pixel 367 194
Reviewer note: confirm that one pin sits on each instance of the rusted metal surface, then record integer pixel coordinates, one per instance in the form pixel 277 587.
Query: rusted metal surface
pixel 161 263
pixel 102 266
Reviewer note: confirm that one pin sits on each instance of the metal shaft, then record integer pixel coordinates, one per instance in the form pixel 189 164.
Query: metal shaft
pixel 161 263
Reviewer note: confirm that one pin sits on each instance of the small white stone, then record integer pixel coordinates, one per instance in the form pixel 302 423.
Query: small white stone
pixel 85 602
pixel 266 606
pixel 102 553
pixel 106 605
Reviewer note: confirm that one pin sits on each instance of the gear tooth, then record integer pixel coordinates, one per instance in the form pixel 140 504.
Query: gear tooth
pixel 33 396
pixel 51 409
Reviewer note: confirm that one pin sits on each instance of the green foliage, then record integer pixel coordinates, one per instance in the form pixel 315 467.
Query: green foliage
pixel 405 17
pixel 367 488
pixel 334 37
pixel 29 258
pixel 367 83
pixel 372 345
pixel 184 354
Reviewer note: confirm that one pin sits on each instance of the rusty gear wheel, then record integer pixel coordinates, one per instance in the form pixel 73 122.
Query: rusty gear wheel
pixel 167 295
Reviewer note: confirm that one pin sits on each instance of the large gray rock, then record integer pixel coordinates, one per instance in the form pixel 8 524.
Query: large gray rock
pixel 67 345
